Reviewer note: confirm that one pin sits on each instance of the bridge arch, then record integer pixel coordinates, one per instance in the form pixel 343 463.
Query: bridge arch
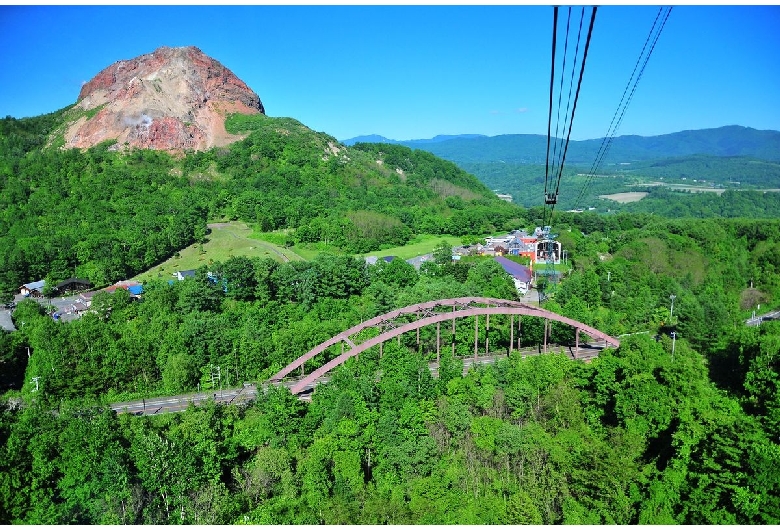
pixel 426 314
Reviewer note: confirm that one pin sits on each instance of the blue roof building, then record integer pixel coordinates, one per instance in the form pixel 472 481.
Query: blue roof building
pixel 519 273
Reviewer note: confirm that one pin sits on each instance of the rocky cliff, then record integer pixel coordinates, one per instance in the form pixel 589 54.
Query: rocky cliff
pixel 171 99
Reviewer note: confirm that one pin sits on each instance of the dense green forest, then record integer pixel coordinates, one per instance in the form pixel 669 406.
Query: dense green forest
pixel 643 434
pixel 731 203
pixel 663 430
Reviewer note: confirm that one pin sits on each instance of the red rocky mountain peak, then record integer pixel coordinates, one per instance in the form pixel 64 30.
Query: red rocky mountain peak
pixel 170 99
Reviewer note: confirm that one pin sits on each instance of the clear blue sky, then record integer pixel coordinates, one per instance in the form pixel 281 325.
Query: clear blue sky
pixel 408 72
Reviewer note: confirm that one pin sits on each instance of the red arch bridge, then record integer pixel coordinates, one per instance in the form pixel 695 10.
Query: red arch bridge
pixel 394 324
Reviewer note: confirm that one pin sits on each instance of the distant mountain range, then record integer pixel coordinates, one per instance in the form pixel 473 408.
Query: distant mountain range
pixel 377 139
pixel 728 141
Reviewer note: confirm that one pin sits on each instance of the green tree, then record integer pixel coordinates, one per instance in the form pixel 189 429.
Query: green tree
pixel 442 253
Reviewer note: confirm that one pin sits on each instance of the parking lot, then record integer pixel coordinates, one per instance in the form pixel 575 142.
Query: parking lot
pixel 5 320
pixel 61 303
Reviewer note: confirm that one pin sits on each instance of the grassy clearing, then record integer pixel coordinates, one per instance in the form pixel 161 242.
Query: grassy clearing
pixel 695 189
pixel 420 245
pixel 238 239
pixel 224 240
pixel 622 198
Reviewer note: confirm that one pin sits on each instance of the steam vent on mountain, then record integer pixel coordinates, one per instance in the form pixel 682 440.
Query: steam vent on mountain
pixel 171 99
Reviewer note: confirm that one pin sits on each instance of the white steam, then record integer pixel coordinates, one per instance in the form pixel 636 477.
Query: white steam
pixel 143 120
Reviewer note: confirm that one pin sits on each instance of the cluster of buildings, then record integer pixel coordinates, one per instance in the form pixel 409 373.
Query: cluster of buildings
pixel 538 247
pixel 82 303
pixel 35 289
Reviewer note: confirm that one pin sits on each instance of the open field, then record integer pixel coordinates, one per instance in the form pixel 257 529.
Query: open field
pixel 237 239
pixel 419 246
pixel 695 189
pixel 224 240
pixel 623 198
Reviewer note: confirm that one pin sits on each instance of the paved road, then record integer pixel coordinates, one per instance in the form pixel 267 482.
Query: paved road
pixel 774 315
pixel 179 403
pixel 248 392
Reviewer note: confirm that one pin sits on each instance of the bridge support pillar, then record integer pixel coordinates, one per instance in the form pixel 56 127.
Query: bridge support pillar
pixel 438 341
pixel 511 333
pixel 453 333
pixel 546 328
pixel 576 342
pixel 519 330
pixel 487 334
pixel 476 334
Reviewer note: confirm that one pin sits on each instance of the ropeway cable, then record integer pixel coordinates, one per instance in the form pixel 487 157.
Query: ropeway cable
pixel 621 109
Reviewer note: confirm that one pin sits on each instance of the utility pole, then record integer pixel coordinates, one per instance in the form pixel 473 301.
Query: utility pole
pixel 218 377
pixel 671 311
pixel 674 336
pixel 35 380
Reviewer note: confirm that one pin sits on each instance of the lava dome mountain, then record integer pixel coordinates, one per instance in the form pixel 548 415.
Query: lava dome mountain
pixel 170 99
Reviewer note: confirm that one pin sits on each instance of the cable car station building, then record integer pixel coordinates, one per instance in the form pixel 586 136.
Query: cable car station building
pixel 536 247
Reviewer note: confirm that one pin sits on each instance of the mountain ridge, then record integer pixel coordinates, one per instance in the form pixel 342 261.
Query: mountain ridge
pixel 729 140
pixel 379 139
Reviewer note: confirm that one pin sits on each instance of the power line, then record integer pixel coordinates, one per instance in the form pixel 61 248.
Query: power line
pixel 617 118
pixel 560 94
pixel 577 95
pixel 550 249
pixel 550 196
pixel 552 81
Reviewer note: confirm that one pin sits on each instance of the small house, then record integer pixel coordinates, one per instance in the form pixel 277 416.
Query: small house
pixel 86 298
pixel 78 308
pixel 72 285
pixel 180 275
pixel 34 289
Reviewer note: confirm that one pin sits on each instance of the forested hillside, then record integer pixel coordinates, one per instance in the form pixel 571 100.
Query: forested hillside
pixel 727 157
pixel 106 214
pixel 650 433
pixel 676 198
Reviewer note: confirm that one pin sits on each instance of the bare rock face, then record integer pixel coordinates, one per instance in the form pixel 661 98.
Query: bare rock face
pixel 171 99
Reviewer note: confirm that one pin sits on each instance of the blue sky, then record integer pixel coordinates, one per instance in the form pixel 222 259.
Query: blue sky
pixel 408 72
